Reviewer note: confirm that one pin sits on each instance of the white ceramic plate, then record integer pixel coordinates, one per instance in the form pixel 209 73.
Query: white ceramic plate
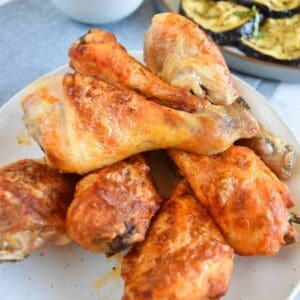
pixel 239 61
pixel 71 273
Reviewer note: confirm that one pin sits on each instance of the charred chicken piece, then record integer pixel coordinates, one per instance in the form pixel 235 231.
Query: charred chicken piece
pixel 182 54
pixel 113 207
pixel 99 54
pixel 33 203
pixel 244 197
pixel 84 124
pixel 183 257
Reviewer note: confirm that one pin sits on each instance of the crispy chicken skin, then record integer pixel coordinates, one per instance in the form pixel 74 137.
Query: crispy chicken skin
pixel 113 207
pixel 277 155
pixel 180 53
pixel 244 197
pixel 183 257
pixel 99 54
pixel 94 124
pixel 33 203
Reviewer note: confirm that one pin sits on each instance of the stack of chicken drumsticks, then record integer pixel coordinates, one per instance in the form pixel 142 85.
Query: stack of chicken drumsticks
pixel 95 186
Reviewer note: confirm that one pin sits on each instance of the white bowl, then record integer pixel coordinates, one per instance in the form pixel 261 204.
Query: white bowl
pixel 97 11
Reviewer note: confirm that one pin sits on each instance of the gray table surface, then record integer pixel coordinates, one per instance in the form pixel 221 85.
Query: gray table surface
pixel 35 37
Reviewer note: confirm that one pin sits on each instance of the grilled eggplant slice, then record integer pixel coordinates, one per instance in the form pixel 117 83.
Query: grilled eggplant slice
pixel 278 40
pixel 274 9
pixel 225 21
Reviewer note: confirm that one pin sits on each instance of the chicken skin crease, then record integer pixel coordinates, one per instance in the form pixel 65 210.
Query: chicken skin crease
pixel 113 207
pixel 244 197
pixel 33 203
pixel 183 257
pixel 84 124
pixel 183 55
pixel 99 54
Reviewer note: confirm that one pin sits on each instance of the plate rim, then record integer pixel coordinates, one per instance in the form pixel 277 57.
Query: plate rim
pixel 241 56
pixel 137 53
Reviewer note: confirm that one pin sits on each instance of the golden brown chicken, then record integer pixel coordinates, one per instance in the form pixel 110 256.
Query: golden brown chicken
pixel 183 257
pixel 88 124
pixel 113 207
pixel 179 52
pixel 244 197
pixel 33 203
pixel 99 54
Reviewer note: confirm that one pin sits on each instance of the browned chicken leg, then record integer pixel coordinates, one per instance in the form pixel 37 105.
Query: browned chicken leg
pixel 99 54
pixel 113 207
pixel 244 197
pixel 183 55
pixel 84 124
pixel 33 203
pixel 183 257
pixel 179 52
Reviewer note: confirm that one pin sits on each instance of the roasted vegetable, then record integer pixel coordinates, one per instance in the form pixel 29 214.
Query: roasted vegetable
pixel 274 9
pixel 225 21
pixel 277 40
